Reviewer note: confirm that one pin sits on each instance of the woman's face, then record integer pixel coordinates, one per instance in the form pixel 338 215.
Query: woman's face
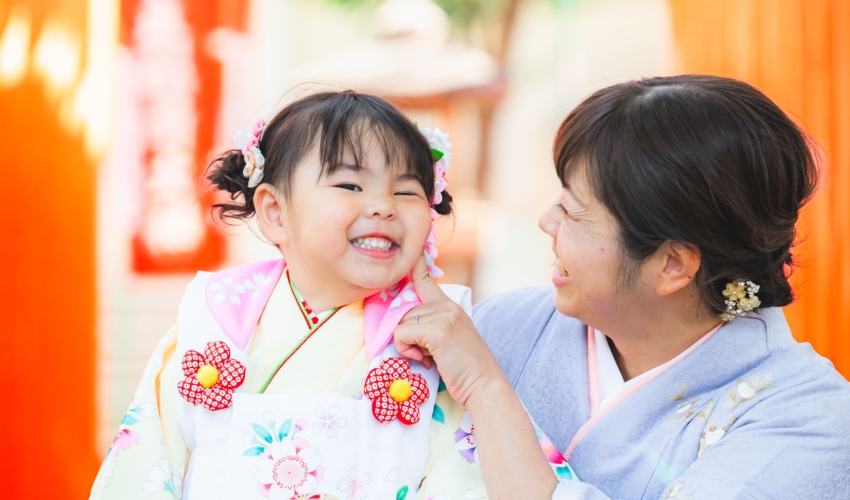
pixel 588 280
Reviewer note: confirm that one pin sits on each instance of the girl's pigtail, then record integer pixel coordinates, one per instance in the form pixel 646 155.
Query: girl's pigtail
pixel 226 173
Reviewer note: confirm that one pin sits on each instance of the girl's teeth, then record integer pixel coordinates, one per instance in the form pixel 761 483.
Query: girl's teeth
pixel 373 243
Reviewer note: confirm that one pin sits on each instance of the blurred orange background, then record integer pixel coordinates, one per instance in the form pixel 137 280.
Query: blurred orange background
pixel 111 109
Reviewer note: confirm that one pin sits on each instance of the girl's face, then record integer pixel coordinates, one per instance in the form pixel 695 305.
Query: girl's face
pixel 362 228
pixel 587 276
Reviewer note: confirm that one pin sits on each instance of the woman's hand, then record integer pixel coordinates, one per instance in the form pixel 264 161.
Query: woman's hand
pixel 441 329
pixel 473 377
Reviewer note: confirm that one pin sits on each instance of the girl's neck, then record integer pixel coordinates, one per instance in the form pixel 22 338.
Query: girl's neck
pixel 324 294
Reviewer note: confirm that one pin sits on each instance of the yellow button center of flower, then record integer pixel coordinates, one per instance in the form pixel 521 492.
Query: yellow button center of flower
pixel 400 390
pixel 207 376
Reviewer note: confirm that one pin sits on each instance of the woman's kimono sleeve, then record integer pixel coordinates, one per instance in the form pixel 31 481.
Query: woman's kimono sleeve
pixel 772 451
pixel 148 456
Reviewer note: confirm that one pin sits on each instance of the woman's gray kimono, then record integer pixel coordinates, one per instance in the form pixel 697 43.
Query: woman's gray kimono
pixel 750 413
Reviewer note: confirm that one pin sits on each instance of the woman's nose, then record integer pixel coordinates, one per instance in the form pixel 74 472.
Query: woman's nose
pixel 548 223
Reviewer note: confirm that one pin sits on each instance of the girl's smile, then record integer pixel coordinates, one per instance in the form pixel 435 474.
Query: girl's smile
pixel 378 246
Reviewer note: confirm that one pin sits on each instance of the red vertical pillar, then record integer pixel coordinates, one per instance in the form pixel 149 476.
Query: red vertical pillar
pixel 47 296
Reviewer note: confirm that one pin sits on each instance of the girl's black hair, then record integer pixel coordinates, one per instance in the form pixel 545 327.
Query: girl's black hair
pixel 340 121
pixel 705 161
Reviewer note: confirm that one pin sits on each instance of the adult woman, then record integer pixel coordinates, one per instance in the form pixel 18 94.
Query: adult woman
pixel 677 216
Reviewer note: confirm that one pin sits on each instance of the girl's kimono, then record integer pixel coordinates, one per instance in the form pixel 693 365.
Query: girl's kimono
pixel 746 412
pixel 252 395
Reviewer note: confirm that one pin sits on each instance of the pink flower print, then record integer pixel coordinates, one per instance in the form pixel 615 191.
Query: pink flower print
pixel 258 281
pixel 354 485
pixel 390 292
pixel 291 468
pixel 227 289
pixel 407 294
pixel 329 421
pixel 122 441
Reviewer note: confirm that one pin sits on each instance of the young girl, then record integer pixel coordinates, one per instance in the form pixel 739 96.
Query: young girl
pixel 281 379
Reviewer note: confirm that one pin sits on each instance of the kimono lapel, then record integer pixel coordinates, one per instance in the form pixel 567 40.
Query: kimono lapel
pixel 315 367
pixel 652 433
pixel 597 412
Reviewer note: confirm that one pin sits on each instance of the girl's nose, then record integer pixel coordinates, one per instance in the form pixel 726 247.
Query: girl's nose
pixel 381 207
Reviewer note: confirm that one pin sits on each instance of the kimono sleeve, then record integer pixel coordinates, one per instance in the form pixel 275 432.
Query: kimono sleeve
pixel 148 455
pixel 453 472
pixel 784 450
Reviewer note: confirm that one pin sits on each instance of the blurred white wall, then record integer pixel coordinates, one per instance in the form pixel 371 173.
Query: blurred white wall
pixel 559 54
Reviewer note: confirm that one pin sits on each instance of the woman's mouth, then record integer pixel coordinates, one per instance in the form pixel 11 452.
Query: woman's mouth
pixel 560 277
pixel 559 268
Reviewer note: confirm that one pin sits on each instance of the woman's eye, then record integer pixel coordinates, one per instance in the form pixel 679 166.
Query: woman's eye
pixel 562 209
pixel 350 187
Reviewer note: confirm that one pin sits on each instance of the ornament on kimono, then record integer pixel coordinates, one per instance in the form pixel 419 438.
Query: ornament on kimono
pixel 395 391
pixel 211 377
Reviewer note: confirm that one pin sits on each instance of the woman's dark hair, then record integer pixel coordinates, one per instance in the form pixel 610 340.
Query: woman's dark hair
pixel 705 161
pixel 340 121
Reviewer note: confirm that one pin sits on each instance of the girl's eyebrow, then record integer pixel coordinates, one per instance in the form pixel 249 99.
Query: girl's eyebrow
pixel 405 177
pixel 352 167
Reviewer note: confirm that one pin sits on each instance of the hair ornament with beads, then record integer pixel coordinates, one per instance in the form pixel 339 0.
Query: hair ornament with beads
pixel 440 149
pixel 248 141
pixel 740 299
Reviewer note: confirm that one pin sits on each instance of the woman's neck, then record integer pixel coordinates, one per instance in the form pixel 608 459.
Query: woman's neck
pixel 646 341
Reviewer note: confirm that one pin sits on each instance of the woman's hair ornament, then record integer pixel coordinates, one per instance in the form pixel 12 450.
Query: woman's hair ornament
pixel 740 299
pixel 440 149
pixel 248 141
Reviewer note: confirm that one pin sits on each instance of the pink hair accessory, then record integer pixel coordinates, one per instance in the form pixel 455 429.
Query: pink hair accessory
pixel 247 140
pixel 440 147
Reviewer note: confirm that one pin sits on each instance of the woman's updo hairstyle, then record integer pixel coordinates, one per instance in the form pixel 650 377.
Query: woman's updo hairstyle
pixel 705 161
pixel 336 123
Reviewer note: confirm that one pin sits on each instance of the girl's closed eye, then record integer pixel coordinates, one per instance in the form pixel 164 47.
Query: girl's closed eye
pixel 562 209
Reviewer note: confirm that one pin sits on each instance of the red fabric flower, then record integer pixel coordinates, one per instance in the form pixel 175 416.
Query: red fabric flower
pixel 395 392
pixel 211 376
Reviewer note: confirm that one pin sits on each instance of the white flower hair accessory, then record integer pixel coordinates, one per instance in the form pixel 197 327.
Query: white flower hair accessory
pixel 248 141
pixel 440 149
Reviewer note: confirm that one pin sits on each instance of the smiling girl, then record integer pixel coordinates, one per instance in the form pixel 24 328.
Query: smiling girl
pixel 281 379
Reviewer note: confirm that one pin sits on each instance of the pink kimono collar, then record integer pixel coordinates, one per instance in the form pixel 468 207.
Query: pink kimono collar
pixel 237 297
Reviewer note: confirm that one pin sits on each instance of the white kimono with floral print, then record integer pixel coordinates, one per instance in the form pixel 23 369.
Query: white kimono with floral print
pixel 297 427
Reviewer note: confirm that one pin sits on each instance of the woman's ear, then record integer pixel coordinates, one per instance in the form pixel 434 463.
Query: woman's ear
pixel 271 213
pixel 678 267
